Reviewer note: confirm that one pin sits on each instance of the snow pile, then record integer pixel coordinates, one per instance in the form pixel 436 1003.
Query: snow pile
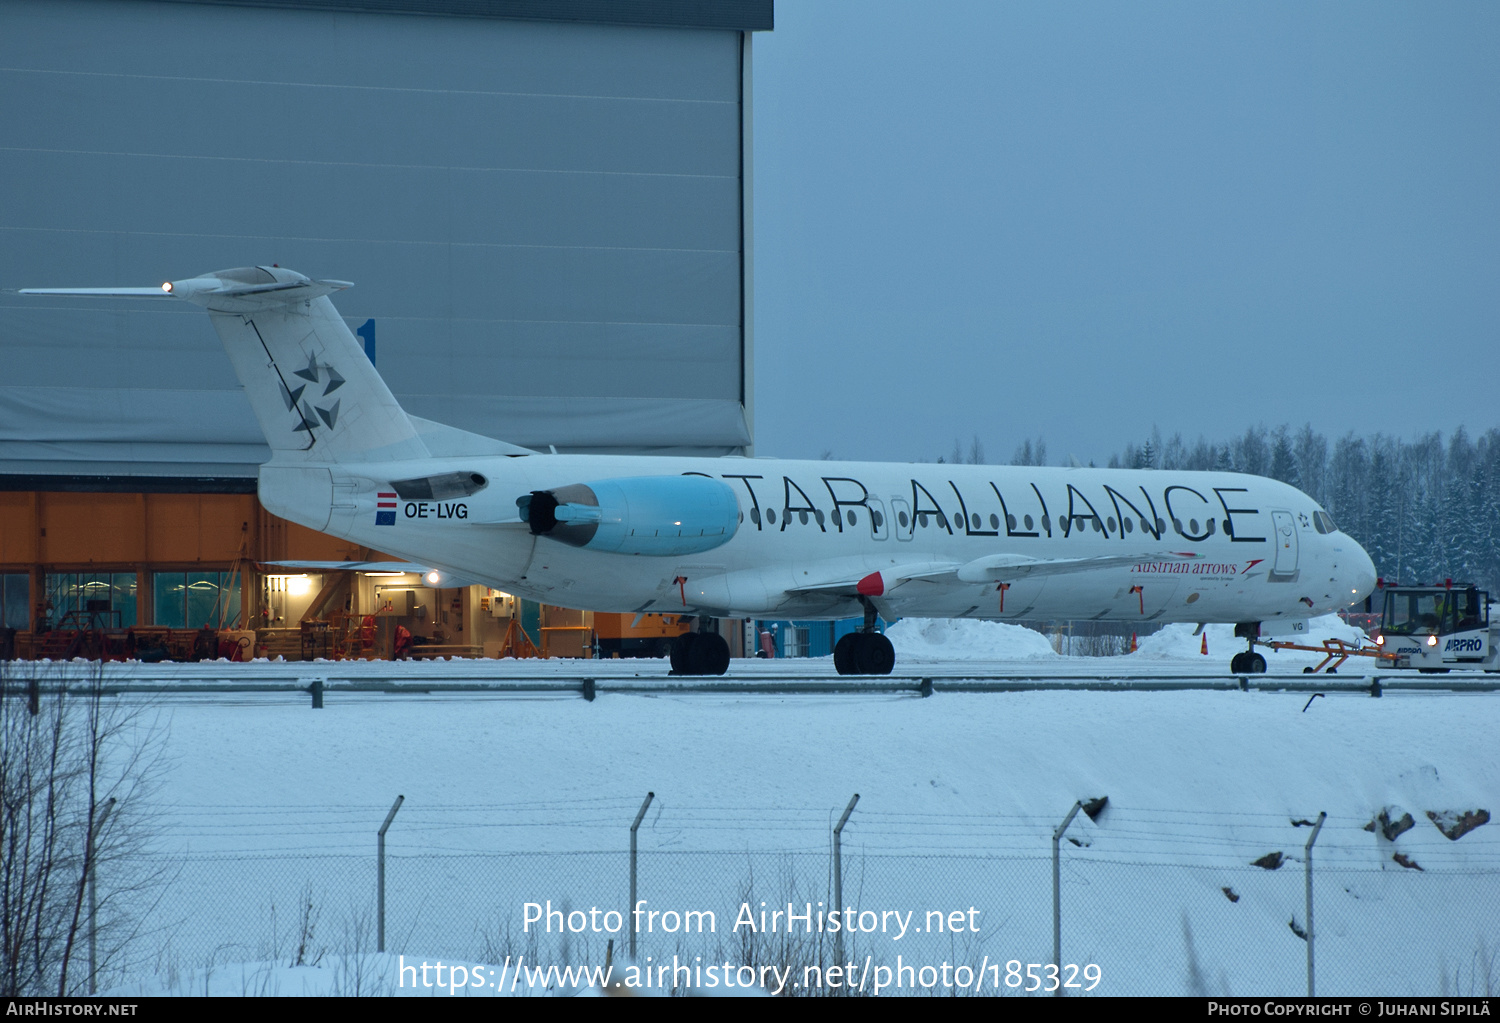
pixel 963 639
pixel 1177 642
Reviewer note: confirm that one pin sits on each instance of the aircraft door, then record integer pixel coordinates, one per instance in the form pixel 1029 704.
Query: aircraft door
pixel 904 524
pixel 1284 567
pixel 880 526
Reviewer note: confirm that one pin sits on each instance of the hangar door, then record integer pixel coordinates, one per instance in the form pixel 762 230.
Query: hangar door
pixel 543 221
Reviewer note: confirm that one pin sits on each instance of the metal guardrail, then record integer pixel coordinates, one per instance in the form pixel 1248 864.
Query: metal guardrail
pixel 588 686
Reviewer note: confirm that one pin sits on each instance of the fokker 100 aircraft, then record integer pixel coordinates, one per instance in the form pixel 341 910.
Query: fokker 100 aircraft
pixel 736 537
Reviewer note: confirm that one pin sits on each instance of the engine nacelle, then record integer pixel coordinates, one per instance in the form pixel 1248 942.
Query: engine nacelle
pixel 654 515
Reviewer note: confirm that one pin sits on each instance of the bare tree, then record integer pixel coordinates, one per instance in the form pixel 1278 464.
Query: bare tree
pixel 75 770
pixel 1027 454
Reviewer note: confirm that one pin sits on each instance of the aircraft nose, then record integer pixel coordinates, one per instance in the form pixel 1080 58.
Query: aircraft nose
pixel 1361 575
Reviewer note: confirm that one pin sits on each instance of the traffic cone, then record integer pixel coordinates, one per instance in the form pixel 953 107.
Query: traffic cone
pixel 1205 643
pixel 1133 646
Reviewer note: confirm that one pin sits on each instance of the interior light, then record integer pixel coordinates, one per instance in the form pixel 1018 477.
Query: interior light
pixel 297 585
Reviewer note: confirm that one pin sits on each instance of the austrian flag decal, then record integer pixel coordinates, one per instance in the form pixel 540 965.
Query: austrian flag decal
pixel 385 509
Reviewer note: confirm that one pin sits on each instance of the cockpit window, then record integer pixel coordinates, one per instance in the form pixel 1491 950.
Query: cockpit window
pixel 1324 522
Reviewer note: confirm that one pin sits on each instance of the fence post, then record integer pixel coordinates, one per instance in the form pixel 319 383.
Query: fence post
pixel 1057 892
pixel 1308 867
pixel 380 875
pixel 633 827
pixel 94 898
pixel 838 880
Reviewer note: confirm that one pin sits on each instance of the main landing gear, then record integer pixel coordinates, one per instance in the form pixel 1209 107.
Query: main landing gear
pixel 866 652
pixel 1249 662
pixel 699 653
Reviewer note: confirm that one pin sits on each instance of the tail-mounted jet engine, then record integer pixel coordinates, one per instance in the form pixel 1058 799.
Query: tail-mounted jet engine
pixel 653 515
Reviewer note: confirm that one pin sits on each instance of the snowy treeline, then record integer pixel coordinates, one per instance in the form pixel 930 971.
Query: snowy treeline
pixel 1426 509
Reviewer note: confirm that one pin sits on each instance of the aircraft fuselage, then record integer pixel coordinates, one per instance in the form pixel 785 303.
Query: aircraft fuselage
pixel 1200 546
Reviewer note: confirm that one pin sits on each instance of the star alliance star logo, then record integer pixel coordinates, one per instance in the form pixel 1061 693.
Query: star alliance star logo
pixel 307 412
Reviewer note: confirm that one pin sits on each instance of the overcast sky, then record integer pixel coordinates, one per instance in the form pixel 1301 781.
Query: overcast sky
pixel 1075 221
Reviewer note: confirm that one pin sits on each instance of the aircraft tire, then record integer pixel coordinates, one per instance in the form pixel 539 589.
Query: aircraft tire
pixel 870 653
pixel 880 656
pixel 843 653
pixel 700 653
pixel 1257 664
pixel 710 654
pixel 682 655
pixel 1237 665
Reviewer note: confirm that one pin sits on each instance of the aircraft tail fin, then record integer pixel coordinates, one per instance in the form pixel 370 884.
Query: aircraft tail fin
pixel 315 393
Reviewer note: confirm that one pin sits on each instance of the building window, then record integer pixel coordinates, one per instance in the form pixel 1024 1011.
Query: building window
pixel 192 600
pixel 15 605
pixel 74 596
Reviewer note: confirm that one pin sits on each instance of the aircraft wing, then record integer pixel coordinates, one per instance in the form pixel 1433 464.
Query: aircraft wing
pixel 1003 567
pixel 991 569
pixel 889 579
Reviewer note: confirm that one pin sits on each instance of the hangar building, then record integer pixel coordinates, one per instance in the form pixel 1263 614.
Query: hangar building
pixel 545 206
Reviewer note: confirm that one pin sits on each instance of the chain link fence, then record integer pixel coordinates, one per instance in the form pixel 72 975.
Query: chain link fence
pixel 1174 914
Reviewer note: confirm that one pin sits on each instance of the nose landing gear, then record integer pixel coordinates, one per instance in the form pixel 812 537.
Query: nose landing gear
pixel 866 652
pixel 1249 662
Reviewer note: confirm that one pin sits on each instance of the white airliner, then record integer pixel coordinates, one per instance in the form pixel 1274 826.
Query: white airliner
pixel 737 537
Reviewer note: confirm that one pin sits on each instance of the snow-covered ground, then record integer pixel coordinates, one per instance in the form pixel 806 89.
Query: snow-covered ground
pixel 519 798
pixel 941 648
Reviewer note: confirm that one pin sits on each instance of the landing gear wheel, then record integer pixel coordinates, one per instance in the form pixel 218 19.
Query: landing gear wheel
pixel 879 655
pixel 843 653
pixel 700 653
pixel 681 655
pixel 711 654
pixel 864 653
pixel 1237 664
pixel 1257 664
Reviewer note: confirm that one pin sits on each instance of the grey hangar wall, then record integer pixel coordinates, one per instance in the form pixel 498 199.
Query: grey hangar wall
pixel 548 220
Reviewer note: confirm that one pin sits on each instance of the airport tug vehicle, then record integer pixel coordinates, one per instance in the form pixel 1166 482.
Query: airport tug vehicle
pixel 1438 628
